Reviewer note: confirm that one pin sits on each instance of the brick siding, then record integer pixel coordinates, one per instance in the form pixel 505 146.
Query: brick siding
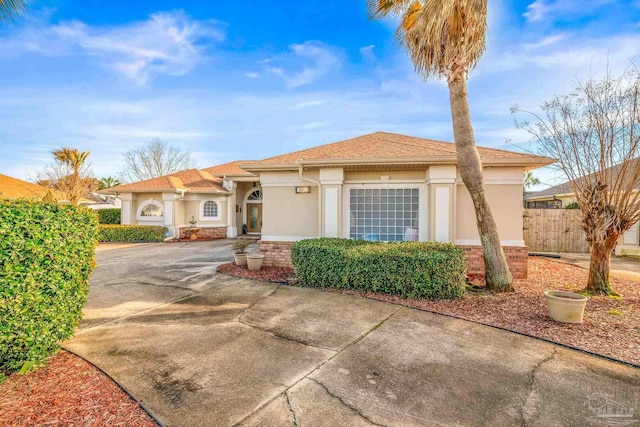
pixel 517 258
pixel 210 233
pixel 279 254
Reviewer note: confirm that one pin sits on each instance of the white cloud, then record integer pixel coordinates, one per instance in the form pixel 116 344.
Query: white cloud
pixel 305 63
pixel 543 10
pixel 545 41
pixel 367 53
pixel 168 43
pixel 252 75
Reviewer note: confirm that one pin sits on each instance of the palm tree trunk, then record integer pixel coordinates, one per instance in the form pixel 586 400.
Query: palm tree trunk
pixel 498 276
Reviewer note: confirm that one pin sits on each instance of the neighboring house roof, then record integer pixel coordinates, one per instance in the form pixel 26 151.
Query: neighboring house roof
pixel 565 187
pixel 230 169
pixel 390 148
pixel 13 188
pixel 189 180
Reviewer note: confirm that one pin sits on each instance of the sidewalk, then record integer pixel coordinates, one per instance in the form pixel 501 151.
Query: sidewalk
pixel 621 267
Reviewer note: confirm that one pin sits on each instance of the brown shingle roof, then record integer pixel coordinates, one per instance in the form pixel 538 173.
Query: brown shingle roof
pixel 13 188
pixel 389 146
pixel 230 169
pixel 192 180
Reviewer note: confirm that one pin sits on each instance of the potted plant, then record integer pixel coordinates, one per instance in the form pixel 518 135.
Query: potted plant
pixel 567 307
pixel 239 248
pixel 254 261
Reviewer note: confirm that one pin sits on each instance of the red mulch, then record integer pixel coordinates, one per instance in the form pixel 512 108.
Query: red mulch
pixel 611 327
pixel 68 391
pixel 266 274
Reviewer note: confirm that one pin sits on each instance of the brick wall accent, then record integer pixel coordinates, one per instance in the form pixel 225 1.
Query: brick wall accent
pixel 517 258
pixel 276 254
pixel 279 254
pixel 209 233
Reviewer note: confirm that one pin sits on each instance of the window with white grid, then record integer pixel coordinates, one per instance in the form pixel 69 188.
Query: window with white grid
pixel 384 214
pixel 210 209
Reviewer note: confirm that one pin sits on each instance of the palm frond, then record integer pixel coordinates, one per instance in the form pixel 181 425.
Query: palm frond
pixel 10 9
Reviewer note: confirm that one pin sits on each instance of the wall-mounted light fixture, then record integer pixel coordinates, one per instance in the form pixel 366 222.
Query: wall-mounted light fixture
pixel 303 190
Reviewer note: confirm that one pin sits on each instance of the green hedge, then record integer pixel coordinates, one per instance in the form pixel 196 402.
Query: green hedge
pixel 131 233
pixel 46 259
pixel 109 216
pixel 409 269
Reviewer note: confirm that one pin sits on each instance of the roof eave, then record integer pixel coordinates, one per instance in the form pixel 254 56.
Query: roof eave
pixel 430 160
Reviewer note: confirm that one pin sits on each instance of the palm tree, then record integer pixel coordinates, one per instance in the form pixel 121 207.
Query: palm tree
pixel 108 182
pixel 74 159
pixel 10 9
pixel 530 180
pixel 446 38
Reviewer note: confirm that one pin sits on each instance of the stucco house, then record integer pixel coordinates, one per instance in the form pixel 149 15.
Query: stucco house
pixel 380 186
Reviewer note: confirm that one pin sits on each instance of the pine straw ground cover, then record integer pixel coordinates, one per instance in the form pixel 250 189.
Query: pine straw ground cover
pixel 611 326
pixel 71 392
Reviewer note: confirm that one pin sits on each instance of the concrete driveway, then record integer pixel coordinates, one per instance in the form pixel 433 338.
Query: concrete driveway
pixel 202 349
pixel 622 267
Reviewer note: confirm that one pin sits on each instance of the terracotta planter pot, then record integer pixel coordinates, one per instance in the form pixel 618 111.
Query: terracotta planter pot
pixel 566 307
pixel 254 261
pixel 241 259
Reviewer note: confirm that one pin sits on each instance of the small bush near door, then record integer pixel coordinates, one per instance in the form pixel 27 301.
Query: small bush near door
pixel 109 216
pixel 408 269
pixel 46 259
pixel 131 233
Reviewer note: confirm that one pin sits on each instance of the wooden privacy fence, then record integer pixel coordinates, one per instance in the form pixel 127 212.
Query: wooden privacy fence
pixel 554 230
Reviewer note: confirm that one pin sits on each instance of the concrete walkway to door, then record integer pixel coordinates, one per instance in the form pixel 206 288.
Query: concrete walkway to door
pixel 202 349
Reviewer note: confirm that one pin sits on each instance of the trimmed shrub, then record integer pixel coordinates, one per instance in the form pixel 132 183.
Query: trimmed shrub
pixel 408 269
pixel 46 259
pixel 109 216
pixel 131 233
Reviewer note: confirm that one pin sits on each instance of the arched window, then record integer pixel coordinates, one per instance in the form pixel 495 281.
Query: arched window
pixel 150 210
pixel 209 210
pixel 255 196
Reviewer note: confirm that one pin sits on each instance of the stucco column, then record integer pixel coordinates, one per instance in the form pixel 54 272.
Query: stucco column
pixel 332 180
pixel 169 201
pixel 441 182
pixel 232 227
pixel 127 210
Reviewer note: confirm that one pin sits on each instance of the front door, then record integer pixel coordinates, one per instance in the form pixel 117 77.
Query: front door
pixel 254 217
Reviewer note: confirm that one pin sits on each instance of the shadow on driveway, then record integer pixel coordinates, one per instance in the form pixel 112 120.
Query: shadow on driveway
pixel 202 349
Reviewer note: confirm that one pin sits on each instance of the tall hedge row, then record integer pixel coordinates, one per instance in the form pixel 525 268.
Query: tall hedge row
pixel 131 233
pixel 109 216
pixel 408 269
pixel 46 259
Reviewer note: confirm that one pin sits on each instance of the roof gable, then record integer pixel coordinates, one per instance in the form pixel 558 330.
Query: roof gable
pixel 390 146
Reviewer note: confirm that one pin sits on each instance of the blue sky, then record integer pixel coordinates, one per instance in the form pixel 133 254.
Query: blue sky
pixel 240 79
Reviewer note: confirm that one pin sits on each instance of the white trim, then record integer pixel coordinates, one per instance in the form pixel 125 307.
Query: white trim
pixel 497 182
pixel 201 216
pixel 287 184
pixel 440 180
pixel 150 218
pixel 380 181
pixel 285 238
pixel 474 242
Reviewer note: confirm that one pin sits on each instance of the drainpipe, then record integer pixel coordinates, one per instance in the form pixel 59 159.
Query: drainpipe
pixel 175 235
pixel 300 173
